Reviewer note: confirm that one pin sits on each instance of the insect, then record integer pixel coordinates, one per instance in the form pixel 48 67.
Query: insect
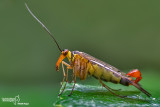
pixel 83 64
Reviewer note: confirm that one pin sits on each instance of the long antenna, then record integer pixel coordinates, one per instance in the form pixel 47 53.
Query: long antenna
pixel 45 28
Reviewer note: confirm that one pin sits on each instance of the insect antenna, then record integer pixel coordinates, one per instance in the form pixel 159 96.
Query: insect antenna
pixel 45 28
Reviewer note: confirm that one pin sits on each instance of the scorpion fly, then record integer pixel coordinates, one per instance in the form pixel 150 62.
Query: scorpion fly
pixel 83 64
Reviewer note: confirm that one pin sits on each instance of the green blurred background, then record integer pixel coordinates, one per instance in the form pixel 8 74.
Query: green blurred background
pixel 126 34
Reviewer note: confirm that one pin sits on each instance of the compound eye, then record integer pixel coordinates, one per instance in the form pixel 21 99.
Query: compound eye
pixel 65 52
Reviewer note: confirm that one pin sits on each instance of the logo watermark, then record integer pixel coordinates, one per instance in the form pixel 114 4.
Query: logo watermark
pixel 15 100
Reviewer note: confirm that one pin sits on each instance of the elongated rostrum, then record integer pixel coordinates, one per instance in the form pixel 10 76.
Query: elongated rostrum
pixel 83 64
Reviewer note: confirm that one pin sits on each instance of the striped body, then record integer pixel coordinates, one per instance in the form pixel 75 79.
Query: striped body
pixel 84 64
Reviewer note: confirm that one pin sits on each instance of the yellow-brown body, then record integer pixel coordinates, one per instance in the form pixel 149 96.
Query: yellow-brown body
pixel 84 64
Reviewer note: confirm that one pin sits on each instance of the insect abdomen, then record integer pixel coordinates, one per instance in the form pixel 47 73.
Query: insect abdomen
pixel 85 64
pixel 105 75
pixel 109 76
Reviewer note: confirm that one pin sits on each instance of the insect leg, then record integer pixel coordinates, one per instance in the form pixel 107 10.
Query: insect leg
pixel 104 85
pixel 65 84
pixel 68 67
pixel 64 75
pixel 114 89
pixel 72 79
pixel 74 84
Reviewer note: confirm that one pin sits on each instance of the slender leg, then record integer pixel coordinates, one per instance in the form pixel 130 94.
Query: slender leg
pixel 68 67
pixel 114 89
pixel 73 85
pixel 65 83
pixel 104 85
pixel 63 74
pixel 72 79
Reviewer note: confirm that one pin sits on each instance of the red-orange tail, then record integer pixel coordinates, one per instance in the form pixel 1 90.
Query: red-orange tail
pixel 137 74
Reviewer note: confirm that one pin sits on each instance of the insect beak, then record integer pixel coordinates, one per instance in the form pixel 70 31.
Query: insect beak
pixel 62 56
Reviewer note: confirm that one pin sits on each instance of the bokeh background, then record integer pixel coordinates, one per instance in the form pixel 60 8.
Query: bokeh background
pixel 126 34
